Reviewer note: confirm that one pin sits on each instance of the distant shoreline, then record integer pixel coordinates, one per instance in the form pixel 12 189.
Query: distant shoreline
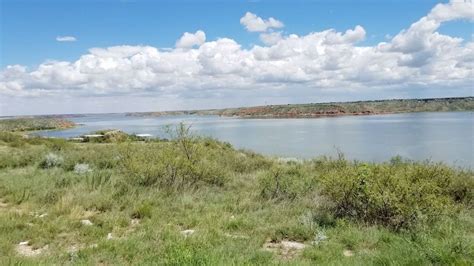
pixel 306 110
pixel 332 109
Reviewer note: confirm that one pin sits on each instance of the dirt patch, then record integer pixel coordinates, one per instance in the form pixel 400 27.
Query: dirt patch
pixel 348 253
pixel 235 236
pixel 285 249
pixel 188 232
pixel 134 222
pixel 25 249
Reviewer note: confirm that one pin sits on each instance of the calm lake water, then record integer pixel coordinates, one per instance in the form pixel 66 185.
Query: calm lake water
pixel 444 137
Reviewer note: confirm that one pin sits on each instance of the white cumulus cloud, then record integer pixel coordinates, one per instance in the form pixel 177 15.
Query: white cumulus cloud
pixel 418 58
pixel 188 40
pixel 254 23
pixel 271 38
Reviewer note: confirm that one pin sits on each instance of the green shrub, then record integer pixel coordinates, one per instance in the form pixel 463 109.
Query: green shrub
pixel 185 161
pixel 14 140
pixel 143 210
pixel 244 161
pixel 97 157
pixel 168 167
pixel 401 195
pixel 57 144
pixel 15 158
pixel 285 182
pixel 97 179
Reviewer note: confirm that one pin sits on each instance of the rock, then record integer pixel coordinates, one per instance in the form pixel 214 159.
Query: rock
pixel 109 236
pixel 187 232
pixel 348 253
pixel 86 222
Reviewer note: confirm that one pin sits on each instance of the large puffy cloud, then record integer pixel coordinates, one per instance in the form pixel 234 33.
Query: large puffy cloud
pixel 418 57
pixel 271 38
pixel 253 23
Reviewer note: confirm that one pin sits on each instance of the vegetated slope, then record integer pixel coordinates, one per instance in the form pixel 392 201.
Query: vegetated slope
pixel 315 110
pixel 352 108
pixel 31 124
pixel 196 200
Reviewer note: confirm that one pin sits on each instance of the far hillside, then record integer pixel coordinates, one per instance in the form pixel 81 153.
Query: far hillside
pixel 315 110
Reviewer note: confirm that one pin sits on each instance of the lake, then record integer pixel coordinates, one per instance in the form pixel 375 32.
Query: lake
pixel 444 137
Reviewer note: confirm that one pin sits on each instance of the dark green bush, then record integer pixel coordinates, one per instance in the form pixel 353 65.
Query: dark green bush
pixel 143 210
pixel 400 195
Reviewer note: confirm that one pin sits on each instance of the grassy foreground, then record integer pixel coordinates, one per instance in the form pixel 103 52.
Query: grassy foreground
pixel 198 201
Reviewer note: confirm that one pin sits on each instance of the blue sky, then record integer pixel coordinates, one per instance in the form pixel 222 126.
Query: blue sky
pixel 29 28
pixel 123 50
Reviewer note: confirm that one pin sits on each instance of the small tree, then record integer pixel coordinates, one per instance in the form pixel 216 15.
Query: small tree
pixel 185 140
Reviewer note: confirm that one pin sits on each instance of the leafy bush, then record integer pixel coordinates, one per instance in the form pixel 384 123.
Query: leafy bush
pixel 183 162
pixel 285 182
pixel 401 195
pixel 244 161
pixel 168 167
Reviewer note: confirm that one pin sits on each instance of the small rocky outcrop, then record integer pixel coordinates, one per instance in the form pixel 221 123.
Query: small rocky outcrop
pixel 285 249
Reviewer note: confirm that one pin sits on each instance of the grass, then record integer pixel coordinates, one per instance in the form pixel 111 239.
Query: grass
pixel 146 193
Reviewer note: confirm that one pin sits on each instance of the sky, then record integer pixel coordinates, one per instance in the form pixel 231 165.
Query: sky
pixel 138 55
